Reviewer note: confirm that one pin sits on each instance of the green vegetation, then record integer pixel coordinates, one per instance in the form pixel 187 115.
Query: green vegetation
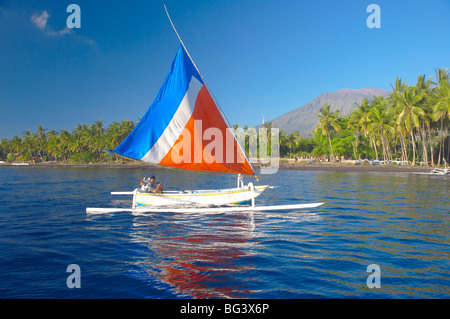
pixel 85 144
pixel 411 124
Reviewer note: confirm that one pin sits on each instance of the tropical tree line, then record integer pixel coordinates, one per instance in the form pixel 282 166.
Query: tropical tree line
pixel 84 144
pixel 411 125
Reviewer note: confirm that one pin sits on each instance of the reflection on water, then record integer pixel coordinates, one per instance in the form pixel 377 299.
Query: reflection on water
pixel 197 255
pixel 397 221
pixel 368 218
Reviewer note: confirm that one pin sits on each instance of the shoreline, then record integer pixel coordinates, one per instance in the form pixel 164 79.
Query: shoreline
pixel 337 167
pixel 344 167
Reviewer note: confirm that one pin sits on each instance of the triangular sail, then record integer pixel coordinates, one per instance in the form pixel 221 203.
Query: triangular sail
pixel 184 128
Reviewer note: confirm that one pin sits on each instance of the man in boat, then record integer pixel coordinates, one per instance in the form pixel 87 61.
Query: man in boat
pixel 152 185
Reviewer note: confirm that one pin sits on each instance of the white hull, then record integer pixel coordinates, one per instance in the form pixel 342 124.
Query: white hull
pixel 215 197
pixel 199 201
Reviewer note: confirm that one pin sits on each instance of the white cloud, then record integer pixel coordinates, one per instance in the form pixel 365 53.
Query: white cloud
pixel 40 20
pixel 66 30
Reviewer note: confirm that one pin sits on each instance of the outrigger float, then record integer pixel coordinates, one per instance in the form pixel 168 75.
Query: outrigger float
pixel 200 201
pixel 177 131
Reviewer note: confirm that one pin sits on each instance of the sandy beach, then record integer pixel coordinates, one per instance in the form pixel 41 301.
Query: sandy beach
pixel 344 167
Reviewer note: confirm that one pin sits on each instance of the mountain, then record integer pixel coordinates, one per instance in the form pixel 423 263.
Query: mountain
pixel 304 118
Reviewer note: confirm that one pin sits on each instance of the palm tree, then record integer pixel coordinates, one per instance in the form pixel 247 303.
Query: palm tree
pixel 41 141
pixel 4 148
pixel 114 136
pixel 28 142
pixel 399 86
pixel 293 137
pixel 327 121
pixel 423 88
pixel 53 148
pixel 77 139
pixel 359 121
pixel 64 144
pixel 409 113
pixel 98 131
pixel 442 76
pixel 16 146
pixel 126 127
pixel 440 109
pixel 379 126
pixel 362 114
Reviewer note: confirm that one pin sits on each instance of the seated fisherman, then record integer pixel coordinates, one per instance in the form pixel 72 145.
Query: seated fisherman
pixel 155 187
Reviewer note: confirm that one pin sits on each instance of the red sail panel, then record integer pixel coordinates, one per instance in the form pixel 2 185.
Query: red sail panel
pixel 206 143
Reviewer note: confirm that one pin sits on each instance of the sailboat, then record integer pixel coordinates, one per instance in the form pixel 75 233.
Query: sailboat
pixel 185 128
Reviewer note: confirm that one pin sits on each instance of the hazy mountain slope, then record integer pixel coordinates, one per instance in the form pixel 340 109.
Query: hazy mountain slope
pixel 304 118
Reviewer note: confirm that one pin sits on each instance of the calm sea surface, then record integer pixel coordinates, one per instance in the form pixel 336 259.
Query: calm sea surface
pixel 397 221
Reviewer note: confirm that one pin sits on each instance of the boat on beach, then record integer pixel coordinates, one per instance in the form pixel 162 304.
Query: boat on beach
pixel 185 128
pixel 441 171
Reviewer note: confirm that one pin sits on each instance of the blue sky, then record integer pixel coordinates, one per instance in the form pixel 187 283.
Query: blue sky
pixel 258 57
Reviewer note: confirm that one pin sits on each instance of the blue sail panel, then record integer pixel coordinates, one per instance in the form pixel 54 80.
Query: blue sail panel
pixel 155 121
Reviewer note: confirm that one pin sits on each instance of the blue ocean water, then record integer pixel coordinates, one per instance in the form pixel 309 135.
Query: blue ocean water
pixel 397 221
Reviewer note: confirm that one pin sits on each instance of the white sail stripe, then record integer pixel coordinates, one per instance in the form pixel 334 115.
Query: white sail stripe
pixel 176 125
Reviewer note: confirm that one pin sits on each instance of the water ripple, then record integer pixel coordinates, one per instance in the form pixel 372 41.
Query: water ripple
pixel 397 221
